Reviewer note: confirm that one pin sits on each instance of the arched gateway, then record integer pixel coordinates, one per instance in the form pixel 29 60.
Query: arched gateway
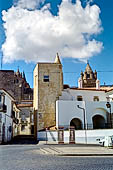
pixel 98 122
pixel 76 123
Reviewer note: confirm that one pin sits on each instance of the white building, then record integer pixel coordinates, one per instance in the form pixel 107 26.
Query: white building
pixel 78 106
pixel 85 107
pixel 6 120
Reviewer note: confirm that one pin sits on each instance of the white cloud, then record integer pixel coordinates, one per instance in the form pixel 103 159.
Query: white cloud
pixel 37 35
pixel 29 4
pixel 89 1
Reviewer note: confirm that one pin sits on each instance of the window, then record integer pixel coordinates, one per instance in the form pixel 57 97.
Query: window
pixel 35 80
pixel 79 98
pixel 40 115
pixel 46 78
pixel 88 76
pixel 96 98
pixel 23 128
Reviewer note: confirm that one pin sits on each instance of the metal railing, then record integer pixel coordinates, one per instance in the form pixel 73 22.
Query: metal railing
pixel 94 126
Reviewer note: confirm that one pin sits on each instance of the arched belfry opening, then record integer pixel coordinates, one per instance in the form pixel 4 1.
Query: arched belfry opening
pixel 76 123
pixel 98 122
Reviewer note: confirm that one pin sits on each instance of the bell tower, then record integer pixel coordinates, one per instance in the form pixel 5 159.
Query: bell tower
pixel 88 78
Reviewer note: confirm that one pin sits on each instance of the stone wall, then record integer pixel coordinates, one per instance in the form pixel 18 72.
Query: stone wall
pixel 7 81
pixel 16 85
pixel 46 93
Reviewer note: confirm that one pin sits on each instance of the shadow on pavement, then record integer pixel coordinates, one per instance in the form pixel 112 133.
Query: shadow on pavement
pixel 24 139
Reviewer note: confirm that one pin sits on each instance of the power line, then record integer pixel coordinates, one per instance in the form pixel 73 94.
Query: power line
pixel 68 72
pixel 106 71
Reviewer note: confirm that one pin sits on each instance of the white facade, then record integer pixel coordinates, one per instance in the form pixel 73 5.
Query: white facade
pixel 92 104
pixel 81 136
pixel 87 94
pixel 6 121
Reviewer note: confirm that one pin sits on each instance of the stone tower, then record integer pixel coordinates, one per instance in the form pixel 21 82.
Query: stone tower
pixel 7 81
pixel 22 90
pixel 15 83
pixel 88 78
pixel 48 86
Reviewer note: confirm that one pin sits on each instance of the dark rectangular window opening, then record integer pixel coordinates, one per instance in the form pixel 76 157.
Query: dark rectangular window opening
pixel 79 98
pixel 96 98
pixel 46 78
pixel 88 76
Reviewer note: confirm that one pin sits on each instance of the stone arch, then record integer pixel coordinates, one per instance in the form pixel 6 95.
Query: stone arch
pixel 76 123
pixel 98 122
pixel 100 111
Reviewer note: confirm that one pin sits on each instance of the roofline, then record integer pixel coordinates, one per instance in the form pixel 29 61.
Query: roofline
pixel 87 89
pixel 45 63
pixel 48 63
pixel 8 94
pixel 17 106
pixel 109 90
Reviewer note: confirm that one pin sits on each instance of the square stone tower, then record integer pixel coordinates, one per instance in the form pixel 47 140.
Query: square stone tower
pixel 48 86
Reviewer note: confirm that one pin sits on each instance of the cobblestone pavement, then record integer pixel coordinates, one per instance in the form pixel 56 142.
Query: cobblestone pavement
pixel 29 157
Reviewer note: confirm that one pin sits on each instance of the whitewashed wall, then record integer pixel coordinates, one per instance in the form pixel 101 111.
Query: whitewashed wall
pixel 52 136
pixel 87 95
pixel 81 136
pixel 6 118
pixel 67 110
pixel 90 136
pixel 47 135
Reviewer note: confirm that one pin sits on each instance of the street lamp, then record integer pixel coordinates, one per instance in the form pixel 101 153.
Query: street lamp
pixel 109 106
pixel 84 116
pixel 84 122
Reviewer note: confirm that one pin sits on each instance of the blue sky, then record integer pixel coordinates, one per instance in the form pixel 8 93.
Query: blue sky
pixel 101 61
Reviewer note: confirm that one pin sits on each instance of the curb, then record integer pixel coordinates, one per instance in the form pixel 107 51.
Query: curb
pixel 51 150
pixel 82 154
pixel 55 152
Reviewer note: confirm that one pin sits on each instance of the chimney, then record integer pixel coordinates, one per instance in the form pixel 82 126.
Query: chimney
pixel 97 84
pixel 79 83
